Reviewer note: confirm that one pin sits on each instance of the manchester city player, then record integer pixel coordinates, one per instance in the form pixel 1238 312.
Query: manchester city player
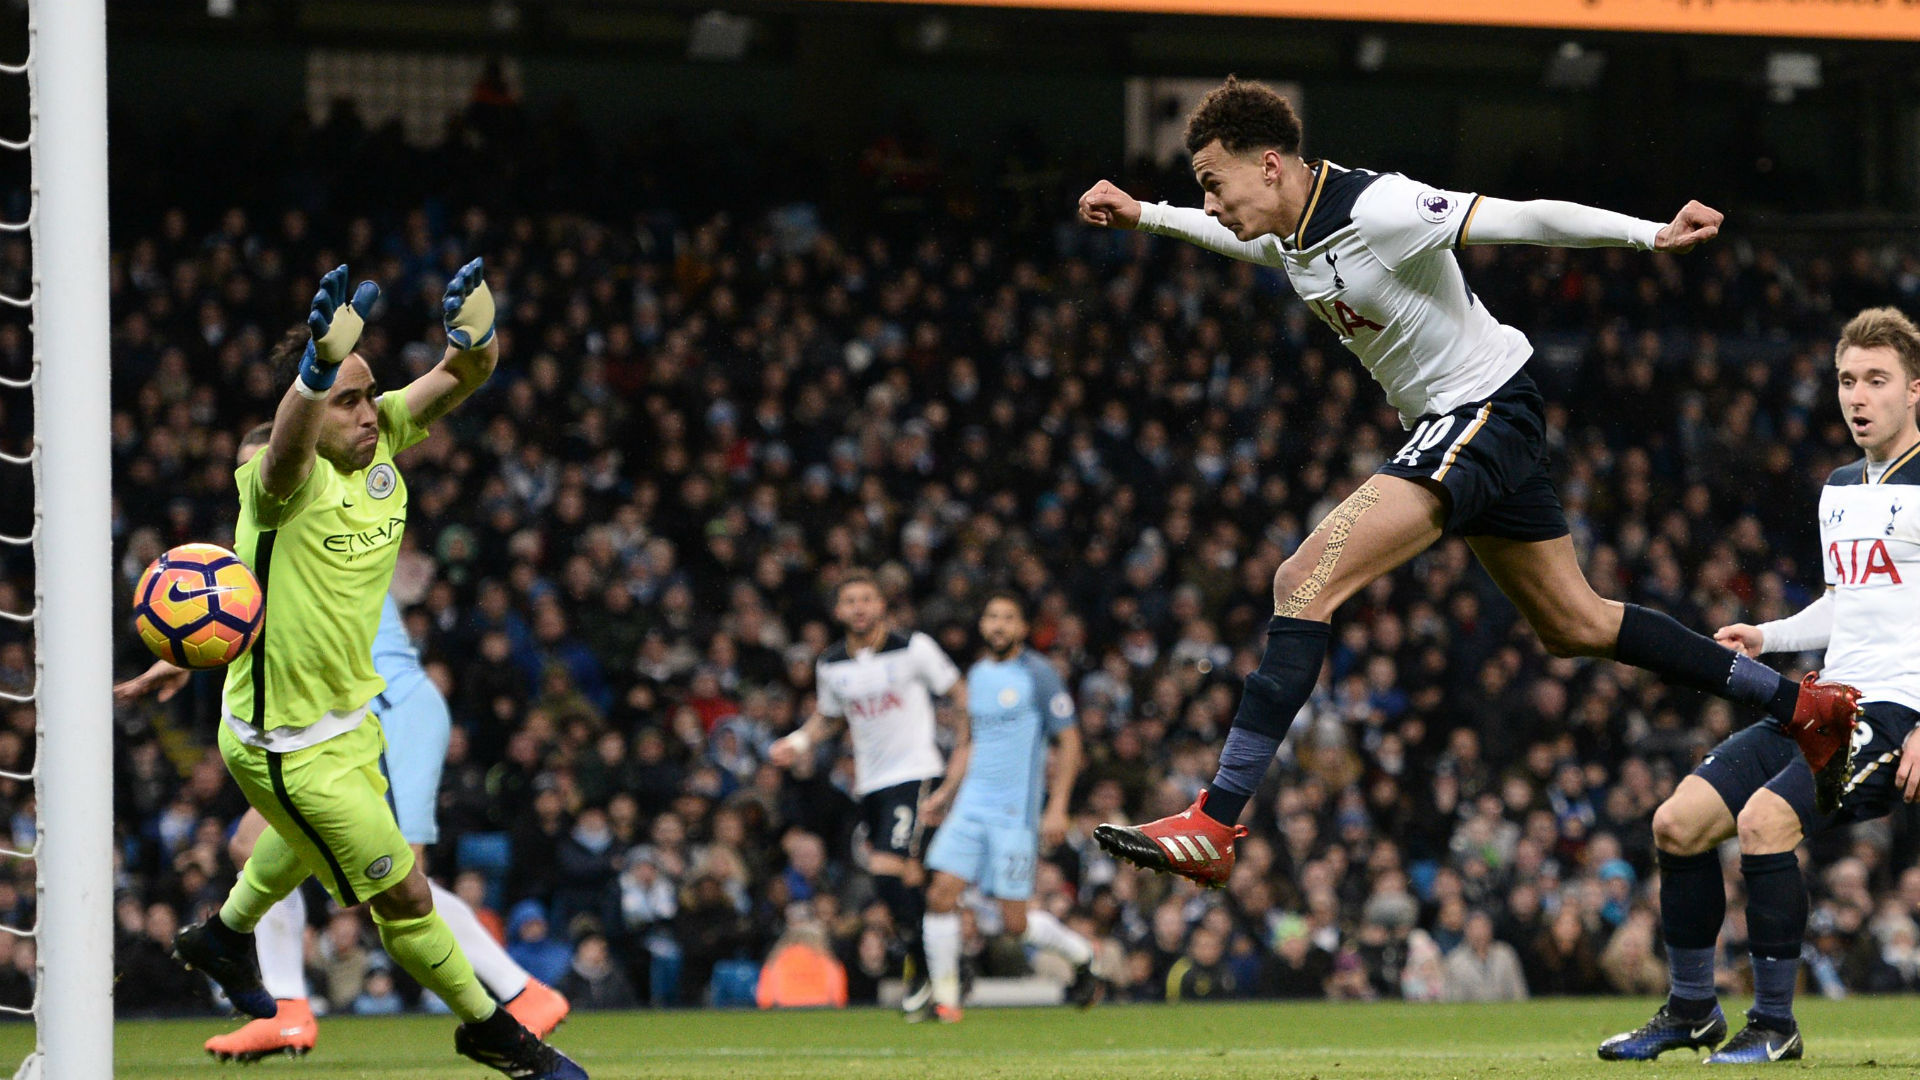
pixel 993 833
pixel 322 510
pixel 1372 254
pixel 417 724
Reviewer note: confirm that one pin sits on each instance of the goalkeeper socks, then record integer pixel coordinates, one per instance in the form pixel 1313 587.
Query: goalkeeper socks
pixel 1693 903
pixel 281 941
pixel 941 935
pixel 1652 640
pixel 1776 925
pixel 425 948
pixel 271 872
pixel 490 962
pixel 1274 693
pixel 1046 932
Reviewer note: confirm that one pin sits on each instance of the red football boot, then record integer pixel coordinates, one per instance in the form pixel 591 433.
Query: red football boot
pixel 1189 844
pixel 1824 720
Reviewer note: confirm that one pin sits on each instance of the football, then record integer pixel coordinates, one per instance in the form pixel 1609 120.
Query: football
pixel 198 606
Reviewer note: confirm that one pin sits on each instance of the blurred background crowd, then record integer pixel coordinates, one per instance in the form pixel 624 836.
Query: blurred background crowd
pixel 619 556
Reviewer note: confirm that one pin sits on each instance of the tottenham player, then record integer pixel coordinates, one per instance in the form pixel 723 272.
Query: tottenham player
pixel 993 834
pixel 881 683
pixel 1372 254
pixel 1754 785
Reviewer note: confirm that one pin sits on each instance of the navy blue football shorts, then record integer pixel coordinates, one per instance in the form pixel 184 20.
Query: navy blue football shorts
pixel 1763 755
pixel 1491 457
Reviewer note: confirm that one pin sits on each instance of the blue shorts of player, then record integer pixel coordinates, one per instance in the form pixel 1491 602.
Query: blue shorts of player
pixel 1764 756
pixel 417 726
pixel 1491 456
pixel 997 856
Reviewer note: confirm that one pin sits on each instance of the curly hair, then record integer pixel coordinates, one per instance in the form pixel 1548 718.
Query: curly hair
pixel 1244 116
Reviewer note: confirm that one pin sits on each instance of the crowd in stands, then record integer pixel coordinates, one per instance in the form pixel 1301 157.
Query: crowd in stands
pixel 618 558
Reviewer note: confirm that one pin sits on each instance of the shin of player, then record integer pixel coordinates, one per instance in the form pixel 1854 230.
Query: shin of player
pixel 995 827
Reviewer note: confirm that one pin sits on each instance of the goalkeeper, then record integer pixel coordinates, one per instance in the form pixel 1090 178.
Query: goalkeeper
pixel 322 510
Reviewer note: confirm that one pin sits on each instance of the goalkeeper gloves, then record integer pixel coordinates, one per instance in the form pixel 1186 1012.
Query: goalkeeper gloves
pixel 335 324
pixel 469 308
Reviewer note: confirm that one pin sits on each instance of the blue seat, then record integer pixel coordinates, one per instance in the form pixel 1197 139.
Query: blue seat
pixel 733 985
pixel 489 853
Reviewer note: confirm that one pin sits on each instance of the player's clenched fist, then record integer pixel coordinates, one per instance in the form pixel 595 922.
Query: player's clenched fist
pixel 1109 207
pixel 1742 638
pixel 1696 223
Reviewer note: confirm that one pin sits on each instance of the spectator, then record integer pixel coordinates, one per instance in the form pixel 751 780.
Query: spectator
pixel 593 982
pixel 378 998
pixel 1202 974
pixel 531 945
pixel 1483 968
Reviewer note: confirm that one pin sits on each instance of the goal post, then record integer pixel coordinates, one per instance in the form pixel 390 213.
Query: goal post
pixel 73 586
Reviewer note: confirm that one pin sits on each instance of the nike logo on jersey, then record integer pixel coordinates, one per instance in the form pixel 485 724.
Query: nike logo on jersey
pixel 1699 1031
pixel 176 595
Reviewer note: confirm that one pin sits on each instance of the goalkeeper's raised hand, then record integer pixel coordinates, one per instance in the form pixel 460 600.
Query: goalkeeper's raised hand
pixel 335 323
pixel 468 308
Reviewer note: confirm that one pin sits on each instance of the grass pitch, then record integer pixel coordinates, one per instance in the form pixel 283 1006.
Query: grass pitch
pixel 1869 1037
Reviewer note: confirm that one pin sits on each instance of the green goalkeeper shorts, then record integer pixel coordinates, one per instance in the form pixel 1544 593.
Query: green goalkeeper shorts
pixel 329 803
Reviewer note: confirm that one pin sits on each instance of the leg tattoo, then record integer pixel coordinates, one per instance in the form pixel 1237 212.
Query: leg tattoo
pixel 1339 526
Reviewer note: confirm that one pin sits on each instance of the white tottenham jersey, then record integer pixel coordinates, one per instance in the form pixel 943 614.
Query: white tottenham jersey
pixel 1372 256
pixel 886 695
pixel 1870 543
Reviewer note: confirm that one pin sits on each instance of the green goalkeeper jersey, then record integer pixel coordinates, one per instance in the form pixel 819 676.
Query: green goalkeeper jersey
pixel 324 557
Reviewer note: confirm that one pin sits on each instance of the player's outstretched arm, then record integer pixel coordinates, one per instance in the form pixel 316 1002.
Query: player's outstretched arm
pixel 162 680
pixel 1067 755
pixel 1552 223
pixel 1106 206
pixel 1810 628
pixel 335 323
pixel 472 348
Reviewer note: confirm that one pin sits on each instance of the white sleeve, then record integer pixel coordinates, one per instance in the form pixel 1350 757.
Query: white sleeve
pixel 825 701
pixel 1554 224
pixel 1401 219
pixel 1811 628
pixel 931 661
pixel 1198 228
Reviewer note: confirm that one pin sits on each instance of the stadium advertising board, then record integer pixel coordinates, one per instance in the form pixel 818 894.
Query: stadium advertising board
pixel 1891 20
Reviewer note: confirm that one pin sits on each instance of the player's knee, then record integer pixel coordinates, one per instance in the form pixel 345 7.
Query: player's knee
pixel 1678 832
pixel 1567 634
pixel 943 895
pixel 240 849
pixel 410 898
pixel 1290 582
pixel 1768 826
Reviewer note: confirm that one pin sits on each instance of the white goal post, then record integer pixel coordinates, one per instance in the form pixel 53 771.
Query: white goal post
pixel 73 589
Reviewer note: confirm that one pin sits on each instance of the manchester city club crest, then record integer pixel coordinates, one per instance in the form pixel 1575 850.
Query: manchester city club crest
pixel 382 480
pixel 383 865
